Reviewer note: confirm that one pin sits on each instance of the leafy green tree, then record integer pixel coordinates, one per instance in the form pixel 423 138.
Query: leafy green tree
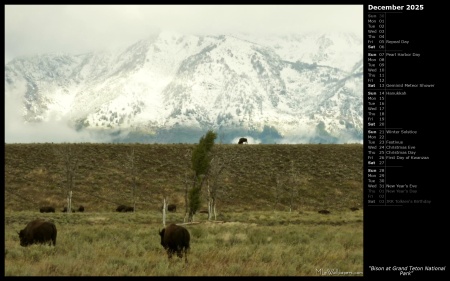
pixel 194 201
pixel 201 155
pixel 201 158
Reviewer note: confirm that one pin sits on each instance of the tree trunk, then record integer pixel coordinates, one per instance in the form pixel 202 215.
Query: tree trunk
pixel 134 196
pixel 209 209
pixel 69 202
pixel 164 212
pixel 214 208
pixel 186 203
pixel 209 200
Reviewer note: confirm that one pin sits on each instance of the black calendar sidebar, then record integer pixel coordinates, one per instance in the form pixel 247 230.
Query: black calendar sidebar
pixel 405 141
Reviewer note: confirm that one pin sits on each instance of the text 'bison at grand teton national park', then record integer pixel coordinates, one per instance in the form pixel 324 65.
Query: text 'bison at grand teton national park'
pixel 38 231
pixel 175 238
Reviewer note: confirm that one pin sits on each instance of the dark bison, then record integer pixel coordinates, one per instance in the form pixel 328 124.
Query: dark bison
pixel 124 208
pixel 120 208
pixel 354 209
pixel 172 208
pixel 47 209
pixel 38 231
pixel 65 210
pixel 242 140
pixel 175 238
pixel 325 212
pixel 81 208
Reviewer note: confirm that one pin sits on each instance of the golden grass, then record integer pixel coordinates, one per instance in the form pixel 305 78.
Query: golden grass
pixel 115 244
pixel 255 235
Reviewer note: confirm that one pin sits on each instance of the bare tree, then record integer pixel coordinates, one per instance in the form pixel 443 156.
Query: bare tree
pixel 291 187
pixel 70 160
pixel 188 180
pixel 277 190
pixel 217 165
pixel 211 201
pixel 295 182
pixel 131 164
pixel 164 211
pixel 166 192
pixel 287 186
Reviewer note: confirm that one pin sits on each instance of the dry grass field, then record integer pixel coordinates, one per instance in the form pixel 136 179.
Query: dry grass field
pixel 326 176
pixel 262 227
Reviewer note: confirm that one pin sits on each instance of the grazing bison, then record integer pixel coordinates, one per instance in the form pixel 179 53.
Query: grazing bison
pixel 124 208
pixel 324 212
pixel 38 231
pixel 242 140
pixel 121 208
pixel 47 209
pixel 172 208
pixel 81 208
pixel 175 238
pixel 354 209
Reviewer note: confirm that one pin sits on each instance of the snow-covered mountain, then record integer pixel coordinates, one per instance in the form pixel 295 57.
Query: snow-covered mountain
pixel 173 87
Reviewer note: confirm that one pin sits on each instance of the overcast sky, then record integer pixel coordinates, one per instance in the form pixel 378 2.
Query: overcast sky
pixel 33 29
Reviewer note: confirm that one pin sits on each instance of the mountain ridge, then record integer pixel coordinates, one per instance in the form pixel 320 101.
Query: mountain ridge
pixel 172 81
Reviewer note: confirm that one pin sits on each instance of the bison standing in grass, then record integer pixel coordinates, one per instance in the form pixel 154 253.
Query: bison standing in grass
pixel 172 208
pixel 120 208
pixel 38 231
pixel 47 209
pixel 175 238
pixel 124 208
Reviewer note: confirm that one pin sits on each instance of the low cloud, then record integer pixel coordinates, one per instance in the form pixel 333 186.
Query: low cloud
pixel 250 140
pixel 53 130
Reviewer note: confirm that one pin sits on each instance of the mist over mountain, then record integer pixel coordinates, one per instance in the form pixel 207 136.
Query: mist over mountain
pixel 172 88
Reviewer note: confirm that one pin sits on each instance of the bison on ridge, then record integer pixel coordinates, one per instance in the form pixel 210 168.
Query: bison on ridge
pixel 175 238
pixel 242 141
pixel 38 231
